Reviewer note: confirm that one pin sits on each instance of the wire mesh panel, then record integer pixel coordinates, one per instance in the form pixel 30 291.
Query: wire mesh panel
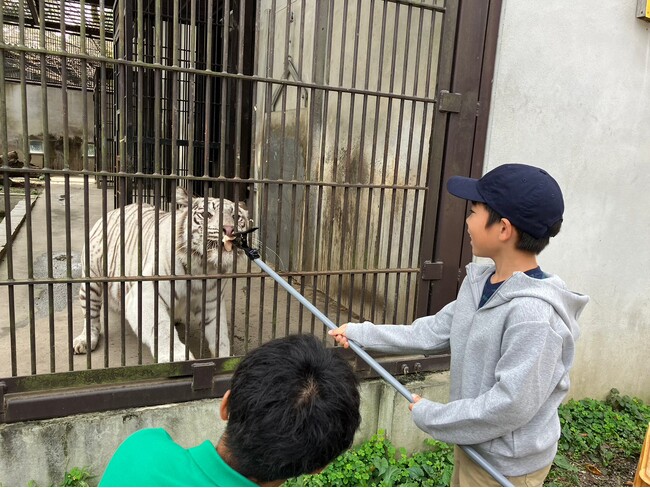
pixel 197 119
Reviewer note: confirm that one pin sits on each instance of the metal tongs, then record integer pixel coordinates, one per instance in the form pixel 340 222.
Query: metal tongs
pixel 241 242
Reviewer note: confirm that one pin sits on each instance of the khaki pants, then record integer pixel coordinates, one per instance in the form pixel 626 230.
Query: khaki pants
pixel 468 473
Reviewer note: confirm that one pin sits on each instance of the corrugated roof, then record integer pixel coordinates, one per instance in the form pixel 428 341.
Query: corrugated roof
pixel 72 15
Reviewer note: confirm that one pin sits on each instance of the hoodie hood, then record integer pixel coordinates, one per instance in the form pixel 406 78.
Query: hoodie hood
pixel 551 289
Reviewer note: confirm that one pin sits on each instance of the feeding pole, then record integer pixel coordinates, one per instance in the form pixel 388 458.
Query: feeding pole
pixel 239 240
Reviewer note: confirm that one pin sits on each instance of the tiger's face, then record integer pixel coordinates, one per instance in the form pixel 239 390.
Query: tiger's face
pixel 216 218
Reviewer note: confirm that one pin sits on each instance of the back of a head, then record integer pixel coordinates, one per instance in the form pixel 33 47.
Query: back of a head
pixel 293 407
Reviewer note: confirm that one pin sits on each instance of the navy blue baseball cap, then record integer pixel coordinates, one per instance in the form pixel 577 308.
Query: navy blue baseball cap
pixel 525 195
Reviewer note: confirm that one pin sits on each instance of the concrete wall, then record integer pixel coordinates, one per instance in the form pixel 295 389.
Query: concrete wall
pixel 571 95
pixel 55 122
pixel 43 450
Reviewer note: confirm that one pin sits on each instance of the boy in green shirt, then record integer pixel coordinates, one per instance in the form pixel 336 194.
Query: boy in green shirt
pixel 293 406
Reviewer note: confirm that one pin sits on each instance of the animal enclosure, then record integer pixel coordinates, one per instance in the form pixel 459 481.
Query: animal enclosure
pixel 314 121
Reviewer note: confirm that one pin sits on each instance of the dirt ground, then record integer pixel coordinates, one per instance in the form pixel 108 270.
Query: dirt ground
pixel 620 472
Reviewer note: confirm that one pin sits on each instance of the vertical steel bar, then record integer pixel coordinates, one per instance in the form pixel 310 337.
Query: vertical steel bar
pixel 175 120
pixel 223 143
pixel 348 178
pixel 323 152
pixel 362 146
pixel 48 189
pixel 86 182
pixel 190 165
pixel 384 173
pixel 335 159
pixel 104 180
pixel 4 146
pixel 293 250
pixel 27 158
pixel 125 112
pixel 255 172
pixel 335 164
pixel 423 167
pixel 373 254
pixel 206 164
pixel 407 177
pixel 267 143
pixel 396 174
pixel 321 13
pixel 157 170
pixel 241 27
pixel 304 217
pixel 66 167
pixel 280 198
pixel 140 154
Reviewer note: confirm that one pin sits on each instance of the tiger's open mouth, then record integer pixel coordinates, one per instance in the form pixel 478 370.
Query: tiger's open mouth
pixel 227 242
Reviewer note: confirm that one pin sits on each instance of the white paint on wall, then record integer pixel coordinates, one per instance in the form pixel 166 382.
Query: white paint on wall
pixel 571 94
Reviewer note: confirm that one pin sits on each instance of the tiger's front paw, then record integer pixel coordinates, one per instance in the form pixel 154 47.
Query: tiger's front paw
pixel 80 346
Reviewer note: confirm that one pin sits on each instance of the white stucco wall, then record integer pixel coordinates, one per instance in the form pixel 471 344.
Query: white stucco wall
pixel 571 94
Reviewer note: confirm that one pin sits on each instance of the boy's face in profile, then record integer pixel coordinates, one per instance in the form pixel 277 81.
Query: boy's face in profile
pixel 484 240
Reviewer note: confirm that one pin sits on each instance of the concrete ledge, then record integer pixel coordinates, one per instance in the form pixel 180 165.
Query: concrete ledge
pixel 42 451
pixel 17 216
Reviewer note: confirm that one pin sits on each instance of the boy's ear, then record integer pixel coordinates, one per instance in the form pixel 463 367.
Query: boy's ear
pixel 223 408
pixel 506 231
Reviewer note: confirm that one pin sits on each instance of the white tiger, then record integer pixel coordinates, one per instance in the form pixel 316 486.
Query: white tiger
pixel 233 220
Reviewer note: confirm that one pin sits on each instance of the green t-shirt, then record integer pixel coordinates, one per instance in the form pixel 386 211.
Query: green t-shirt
pixel 150 457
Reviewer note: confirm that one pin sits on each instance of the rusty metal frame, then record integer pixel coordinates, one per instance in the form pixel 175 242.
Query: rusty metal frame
pixel 59 394
pixel 463 129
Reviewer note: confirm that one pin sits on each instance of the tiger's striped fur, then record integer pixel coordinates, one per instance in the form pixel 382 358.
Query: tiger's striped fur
pixel 219 259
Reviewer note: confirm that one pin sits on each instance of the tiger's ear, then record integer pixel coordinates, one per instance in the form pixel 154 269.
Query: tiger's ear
pixel 181 196
pixel 242 205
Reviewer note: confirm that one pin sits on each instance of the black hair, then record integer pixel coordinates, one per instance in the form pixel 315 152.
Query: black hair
pixel 525 242
pixel 293 407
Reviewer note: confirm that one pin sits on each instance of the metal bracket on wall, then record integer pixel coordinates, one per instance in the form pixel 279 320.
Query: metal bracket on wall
pixel 293 72
pixel 3 390
pixel 431 271
pixel 202 374
pixel 449 102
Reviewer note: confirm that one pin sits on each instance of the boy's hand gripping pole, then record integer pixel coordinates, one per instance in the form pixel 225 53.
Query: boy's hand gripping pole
pixel 254 255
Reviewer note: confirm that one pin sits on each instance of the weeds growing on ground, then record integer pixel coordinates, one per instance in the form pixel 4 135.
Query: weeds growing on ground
pixel 377 462
pixel 599 446
pixel 78 477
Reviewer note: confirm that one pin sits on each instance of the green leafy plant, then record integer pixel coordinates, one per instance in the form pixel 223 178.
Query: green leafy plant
pixel 599 430
pixel 78 477
pixel 598 434
pixel 377 462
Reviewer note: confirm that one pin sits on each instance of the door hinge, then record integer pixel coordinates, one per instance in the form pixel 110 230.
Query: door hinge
pixel 449 102
pixel 431 271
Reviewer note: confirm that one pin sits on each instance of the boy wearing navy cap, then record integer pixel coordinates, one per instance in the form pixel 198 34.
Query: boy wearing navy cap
pixel 511 332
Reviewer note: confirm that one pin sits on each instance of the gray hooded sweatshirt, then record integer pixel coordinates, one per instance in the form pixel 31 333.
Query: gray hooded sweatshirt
pixel 510 364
